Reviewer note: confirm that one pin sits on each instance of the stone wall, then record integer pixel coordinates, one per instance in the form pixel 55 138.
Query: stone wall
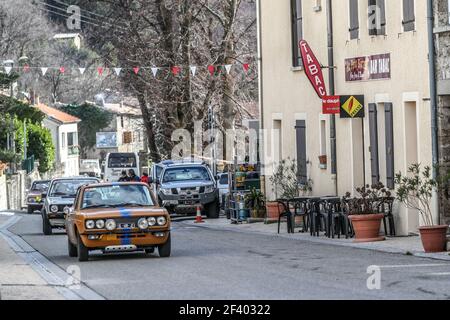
pixel 3 193
pixel 16 186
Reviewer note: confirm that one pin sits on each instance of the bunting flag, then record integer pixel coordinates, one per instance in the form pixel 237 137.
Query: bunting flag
pixel 62 69
pixel 228 68
pixel 176 70
pixel 8 70
pixel 136 70
pixel 44 71
pixel 155 71
pixel 100 71
pixel 118 71
pixel 82 70
pixel 246 67
pixel 212 70
pixel 193 70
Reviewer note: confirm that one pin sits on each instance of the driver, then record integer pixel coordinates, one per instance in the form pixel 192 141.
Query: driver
pixel 96 199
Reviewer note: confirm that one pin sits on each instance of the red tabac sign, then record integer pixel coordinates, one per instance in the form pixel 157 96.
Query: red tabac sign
pixel 313 69
pixel 331 105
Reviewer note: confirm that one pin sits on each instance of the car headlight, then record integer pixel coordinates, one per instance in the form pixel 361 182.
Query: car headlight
pixel 90 224
pixel 54 208
pixel 66 210
pixel 31 200
pixel 151 221
pixel 166 191
pixel 143 223
pixel 161 221
pixel 100 224
pixel 209 189
pixel 110 224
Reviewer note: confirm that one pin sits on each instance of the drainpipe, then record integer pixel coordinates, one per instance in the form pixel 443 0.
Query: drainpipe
pixel 433 97
pixel 331 89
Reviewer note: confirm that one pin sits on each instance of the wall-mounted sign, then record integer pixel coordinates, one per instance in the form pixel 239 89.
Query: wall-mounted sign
pixel 352 106
pixel 313 69
pixel 376 67
pixel 106 139
pixel 331 105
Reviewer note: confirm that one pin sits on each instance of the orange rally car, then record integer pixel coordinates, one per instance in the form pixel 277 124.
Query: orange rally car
pixel 117 217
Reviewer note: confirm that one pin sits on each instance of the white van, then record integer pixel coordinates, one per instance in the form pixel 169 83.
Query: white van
pixel 116 162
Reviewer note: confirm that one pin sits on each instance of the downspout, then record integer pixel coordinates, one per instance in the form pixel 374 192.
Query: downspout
pixel 433 98
pixel 332 92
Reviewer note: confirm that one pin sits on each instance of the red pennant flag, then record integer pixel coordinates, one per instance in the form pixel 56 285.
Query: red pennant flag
pixel 212 70
pixel 100 71
pixel 246 66
pixel 175 70
pixel 26 68
pixel 136 70
pixel 62 69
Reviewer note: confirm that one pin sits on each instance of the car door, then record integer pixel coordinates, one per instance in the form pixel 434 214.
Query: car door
pixel 70 218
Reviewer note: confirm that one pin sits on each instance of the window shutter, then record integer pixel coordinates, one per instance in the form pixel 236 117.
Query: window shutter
pixel 389 116
pixel 408 15
pixel 373 128
pixel 382 5
pixel 354 19
pixel 301 151
pixel 297 31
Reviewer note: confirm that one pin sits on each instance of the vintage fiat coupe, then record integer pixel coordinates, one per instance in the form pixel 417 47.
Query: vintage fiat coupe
pixel 117 217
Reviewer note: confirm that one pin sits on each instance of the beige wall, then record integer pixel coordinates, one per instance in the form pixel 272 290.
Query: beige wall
pixel 288 95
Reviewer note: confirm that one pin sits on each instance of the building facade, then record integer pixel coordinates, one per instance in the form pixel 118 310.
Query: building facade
pixel 380 53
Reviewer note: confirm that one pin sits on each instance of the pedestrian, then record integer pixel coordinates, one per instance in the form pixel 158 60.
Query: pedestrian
pixel 144 178
pixel 123 176
pixel 132 176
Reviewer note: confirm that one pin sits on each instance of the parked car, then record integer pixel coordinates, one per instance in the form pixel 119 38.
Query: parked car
pixel 34 196
pixel 59 199
pixel 184 186
pixel 223 186
pixel 118 217
pixel 90 168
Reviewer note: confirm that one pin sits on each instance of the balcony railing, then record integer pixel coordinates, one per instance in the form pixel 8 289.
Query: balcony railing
pixel 73 151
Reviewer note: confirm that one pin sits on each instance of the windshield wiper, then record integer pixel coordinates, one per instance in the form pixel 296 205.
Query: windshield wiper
pixel 127 204
pixel 59 194
pixel 98 206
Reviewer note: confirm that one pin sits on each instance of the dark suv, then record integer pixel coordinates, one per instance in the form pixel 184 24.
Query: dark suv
pixel 59 199
pixel 182 187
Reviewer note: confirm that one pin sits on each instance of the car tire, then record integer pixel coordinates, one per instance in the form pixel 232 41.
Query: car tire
pixel 73 250
pixel 30 210
pixel 164 249
pixel 46 226
pixel 83 251
pixel 212 210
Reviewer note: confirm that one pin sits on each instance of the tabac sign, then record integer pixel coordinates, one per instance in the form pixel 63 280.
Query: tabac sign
pixel 352 106
pixel 313 69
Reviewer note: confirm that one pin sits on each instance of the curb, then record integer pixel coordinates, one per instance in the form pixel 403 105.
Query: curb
pixel 434 256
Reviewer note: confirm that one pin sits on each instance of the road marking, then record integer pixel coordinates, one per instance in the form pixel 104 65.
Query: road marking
pixel 415 266
pixel 440 274
pixel 6 213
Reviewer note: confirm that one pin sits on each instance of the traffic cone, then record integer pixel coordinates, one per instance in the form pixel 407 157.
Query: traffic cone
pixel 198 218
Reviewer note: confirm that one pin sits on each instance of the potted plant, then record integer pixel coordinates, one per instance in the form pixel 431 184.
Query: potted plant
pixel 255 202
pixel 322 162
pixel 364 212
pixel 416 191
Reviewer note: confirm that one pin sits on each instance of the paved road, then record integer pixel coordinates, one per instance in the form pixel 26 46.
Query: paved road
pixel 210 264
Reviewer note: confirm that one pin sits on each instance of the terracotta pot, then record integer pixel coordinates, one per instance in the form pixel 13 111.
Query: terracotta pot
pixel 367 227
pixel 434 238
pixel 272 210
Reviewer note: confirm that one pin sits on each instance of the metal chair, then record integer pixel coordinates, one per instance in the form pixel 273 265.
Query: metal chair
pixel 284 212
pixel 388 219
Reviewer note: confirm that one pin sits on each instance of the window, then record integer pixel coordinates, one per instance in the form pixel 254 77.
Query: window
pixel 409 19
pixel 377 17
pixel 354 19
pixel 323 138
pixel 300 129
pixel 297 31
pixel 72 139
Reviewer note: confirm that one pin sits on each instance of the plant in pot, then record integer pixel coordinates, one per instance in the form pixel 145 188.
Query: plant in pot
pixel 415 191
pixel 255 202
pixel 364 211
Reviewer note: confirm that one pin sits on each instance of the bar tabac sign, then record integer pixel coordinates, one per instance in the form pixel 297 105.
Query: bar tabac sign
pixel 375 67
pixel 313 69
pixel 352 107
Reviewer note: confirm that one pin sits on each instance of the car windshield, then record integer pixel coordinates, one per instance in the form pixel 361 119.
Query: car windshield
pixel 67 188
pixel 116 196
pixel 122 161
pixel 40 186
pixel 186 173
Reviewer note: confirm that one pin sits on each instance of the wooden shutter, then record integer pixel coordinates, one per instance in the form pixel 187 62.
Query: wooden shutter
pixel 382 5
pixel 389 127
pixel 373 128
pixel 408 15
pixel 354 19
pixel 297 31
pixel 127 137
pixel 301 151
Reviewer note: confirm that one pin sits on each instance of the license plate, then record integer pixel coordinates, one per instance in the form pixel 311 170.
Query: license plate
pixel 126 225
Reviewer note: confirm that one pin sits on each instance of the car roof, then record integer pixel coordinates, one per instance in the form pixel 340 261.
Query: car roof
pixel 41 181
pixel 76 178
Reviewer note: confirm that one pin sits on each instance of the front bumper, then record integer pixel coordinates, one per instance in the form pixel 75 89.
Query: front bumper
pixel 139 239
pixel 175 200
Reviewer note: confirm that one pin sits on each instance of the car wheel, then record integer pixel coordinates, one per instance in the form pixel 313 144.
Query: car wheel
pixel 164 249
pixel 83 251
pixel 46 227
pixel 30 210
pixel 73 251
pixel 212 210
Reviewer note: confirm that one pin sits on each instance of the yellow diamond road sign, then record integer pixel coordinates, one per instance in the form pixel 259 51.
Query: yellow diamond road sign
pixel 352 106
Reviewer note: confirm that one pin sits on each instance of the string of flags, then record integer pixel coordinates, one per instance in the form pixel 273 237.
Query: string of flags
pixel 175 70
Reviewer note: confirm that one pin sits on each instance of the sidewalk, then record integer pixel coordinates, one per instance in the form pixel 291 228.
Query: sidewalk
pixel 399 245
pixel 18 281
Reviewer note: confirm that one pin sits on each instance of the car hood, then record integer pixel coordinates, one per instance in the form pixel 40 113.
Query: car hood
pixel 122 212
pixel 186 184
pixel 60 200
